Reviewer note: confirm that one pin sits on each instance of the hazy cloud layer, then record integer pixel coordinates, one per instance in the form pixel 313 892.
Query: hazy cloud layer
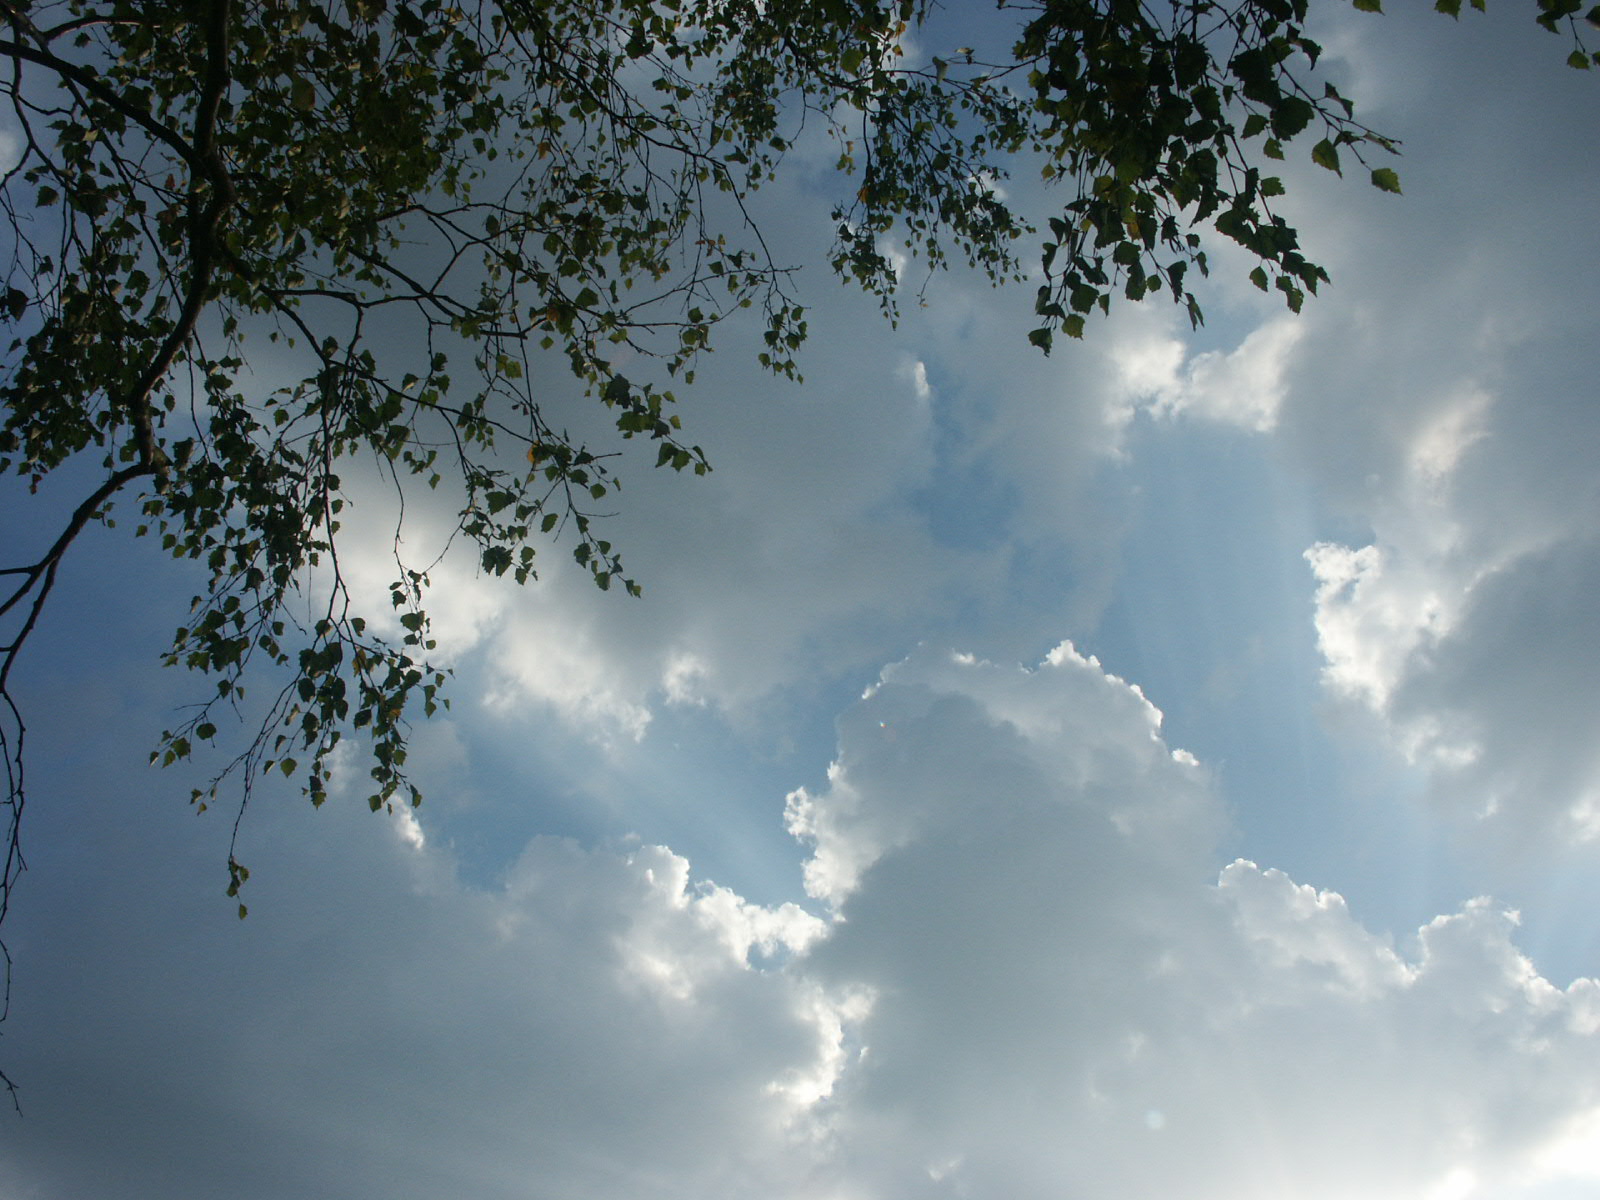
pixel 1441 396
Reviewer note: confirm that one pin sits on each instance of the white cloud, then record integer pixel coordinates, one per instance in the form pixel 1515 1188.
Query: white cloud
pixel 560 658
pixel 407 828
pixel 804 552
pixel 916 371
pixel 601 1025
pixel 1369 622
pixel 1067 1002
pixel 1294 927
pixel 1243 386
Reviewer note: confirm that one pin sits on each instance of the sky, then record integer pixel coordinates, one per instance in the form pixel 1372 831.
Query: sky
pixel 1167 768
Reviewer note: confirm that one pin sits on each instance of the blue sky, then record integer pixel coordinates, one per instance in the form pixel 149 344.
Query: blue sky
pixel 1165 768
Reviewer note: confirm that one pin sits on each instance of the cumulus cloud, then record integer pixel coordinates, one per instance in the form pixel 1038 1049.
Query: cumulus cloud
pixel 1025 977
pixel 1465 620
pixel 1070 1000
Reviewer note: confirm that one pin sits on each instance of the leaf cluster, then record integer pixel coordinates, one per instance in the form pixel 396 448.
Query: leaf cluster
pixel 263 247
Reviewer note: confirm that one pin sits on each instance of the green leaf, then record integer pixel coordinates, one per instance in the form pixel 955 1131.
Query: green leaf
pixel 1291 115
pixel 616 391
pixel 1386 180
pixel 1041 338
pixel 1325 155
pixel 1372 6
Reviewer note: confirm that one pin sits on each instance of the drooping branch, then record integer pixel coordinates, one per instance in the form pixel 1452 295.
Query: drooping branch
pixel 211 195
pixel 97 87
pixel 32 587
pixel 210 175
